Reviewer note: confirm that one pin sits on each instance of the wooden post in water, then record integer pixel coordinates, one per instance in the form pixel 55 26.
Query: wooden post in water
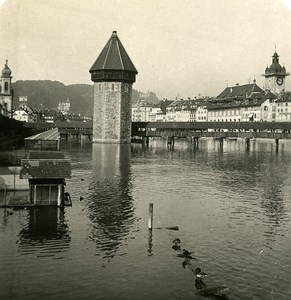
pixel 151 215
pixel 248 143
pixel 221 143
pixel 195 140
pixel 277 144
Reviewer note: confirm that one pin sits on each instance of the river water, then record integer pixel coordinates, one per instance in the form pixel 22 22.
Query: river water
pixel 232 207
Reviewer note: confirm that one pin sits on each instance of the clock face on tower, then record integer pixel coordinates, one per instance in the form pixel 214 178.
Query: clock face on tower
pixel 279 80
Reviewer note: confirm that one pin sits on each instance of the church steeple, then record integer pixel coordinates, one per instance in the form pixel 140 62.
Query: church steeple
pixel 6 91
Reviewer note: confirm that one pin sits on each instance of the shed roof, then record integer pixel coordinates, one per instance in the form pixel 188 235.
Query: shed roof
pixel 45 168
pixel 49 135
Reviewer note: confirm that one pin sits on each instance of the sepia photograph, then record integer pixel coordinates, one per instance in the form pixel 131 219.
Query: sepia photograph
pixel 145 149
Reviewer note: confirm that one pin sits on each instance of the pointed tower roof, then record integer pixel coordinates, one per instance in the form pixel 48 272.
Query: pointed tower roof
pixel 275 68
pixel 113 58
pixel 6 72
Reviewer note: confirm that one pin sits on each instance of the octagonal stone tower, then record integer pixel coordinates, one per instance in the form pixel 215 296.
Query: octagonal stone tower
pixel 113 74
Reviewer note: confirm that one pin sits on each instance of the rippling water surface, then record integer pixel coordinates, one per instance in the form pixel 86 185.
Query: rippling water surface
pixel 232 207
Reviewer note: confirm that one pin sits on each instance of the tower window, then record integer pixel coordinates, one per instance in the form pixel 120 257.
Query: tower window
pixel 6 86
pixel 112 86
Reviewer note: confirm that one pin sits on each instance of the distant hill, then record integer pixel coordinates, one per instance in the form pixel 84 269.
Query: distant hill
pixel 47 93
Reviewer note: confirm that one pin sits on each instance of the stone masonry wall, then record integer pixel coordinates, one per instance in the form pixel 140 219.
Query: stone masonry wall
pixel 112 112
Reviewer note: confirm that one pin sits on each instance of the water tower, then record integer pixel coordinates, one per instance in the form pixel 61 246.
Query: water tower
pixel 113 74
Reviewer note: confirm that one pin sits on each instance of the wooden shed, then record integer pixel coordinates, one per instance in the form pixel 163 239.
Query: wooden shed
pixel 47 140
pixel 46 172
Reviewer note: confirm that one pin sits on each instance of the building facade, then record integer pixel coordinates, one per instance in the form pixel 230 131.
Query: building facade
pixel 113 74
pixel 283 108
pixel 64 107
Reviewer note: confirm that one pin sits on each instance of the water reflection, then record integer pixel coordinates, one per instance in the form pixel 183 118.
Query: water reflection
pixel 46 233
pixel 261 171
pixel 272 202
pixel 110 202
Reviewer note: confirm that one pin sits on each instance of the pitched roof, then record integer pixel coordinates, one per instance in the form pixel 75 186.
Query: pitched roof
pixel 49 135
pixel 45 168
pixel 240 90
pixel 251 100
pixel 113 57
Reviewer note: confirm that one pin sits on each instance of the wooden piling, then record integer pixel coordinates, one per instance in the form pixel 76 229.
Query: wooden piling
pixel 221 143
pixel 151 216
pixel 248 143
pixel 196 139
pixel 277 144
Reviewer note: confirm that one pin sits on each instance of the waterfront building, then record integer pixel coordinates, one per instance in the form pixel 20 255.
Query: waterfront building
pixel 141 112
pixel 6 92
pixel 201 112
pixel 113 74
pixel 283 107
pixel 241 103
pixel 268 107
pixel 182 110
pixel 275 76
pixel 157 115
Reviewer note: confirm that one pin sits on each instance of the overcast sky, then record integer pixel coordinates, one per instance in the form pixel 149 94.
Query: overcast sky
pixel 185 47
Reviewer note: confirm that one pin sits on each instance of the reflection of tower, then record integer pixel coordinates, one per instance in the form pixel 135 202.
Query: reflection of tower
pixel 110 201
pixel 113 74
pixel 47 232
pixel 275 76
pixel 6 92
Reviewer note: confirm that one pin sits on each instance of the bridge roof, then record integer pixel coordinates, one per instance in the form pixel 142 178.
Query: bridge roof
pixel 113 57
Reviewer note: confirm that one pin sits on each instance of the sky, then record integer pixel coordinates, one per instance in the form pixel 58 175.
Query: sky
pixel 182 48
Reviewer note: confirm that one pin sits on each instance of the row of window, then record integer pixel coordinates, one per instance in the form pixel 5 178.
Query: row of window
pixel 224 113
pixel 282 110
pixel 226 120
pixel 113 88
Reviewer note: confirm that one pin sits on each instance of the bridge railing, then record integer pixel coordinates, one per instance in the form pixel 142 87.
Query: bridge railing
pixel 215 134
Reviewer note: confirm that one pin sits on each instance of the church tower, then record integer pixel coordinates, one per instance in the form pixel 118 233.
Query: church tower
pixel 6 92
pixel 113 74
pixel 275 76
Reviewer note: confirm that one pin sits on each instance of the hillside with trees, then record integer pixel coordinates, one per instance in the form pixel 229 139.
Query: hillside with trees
pixel 47 93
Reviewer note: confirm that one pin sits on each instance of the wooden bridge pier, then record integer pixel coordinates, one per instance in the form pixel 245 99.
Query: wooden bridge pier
pixel 196 142
pixel 277 144
pixel 247 143
pixel 221 143
pixel 145 140
pixel 171 141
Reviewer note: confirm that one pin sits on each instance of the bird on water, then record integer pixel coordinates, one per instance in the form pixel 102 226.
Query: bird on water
pixel 199 274
pixel 176 244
